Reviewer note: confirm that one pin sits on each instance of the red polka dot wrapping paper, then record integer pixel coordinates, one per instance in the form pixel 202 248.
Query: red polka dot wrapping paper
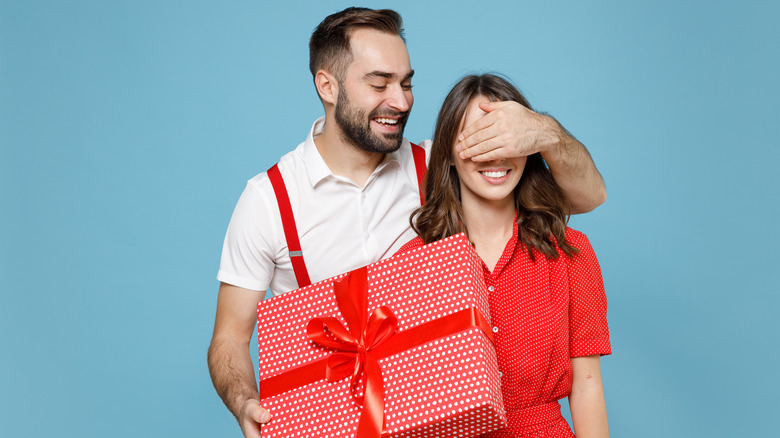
pixel 447 387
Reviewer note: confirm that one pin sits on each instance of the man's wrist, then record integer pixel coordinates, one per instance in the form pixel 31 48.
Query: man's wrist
pixel 555 145
pixel 242 403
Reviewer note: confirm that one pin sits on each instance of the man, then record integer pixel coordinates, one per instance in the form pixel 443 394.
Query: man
pixel 353 184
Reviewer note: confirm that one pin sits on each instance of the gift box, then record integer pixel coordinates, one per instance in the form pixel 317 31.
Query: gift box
pixel 400 348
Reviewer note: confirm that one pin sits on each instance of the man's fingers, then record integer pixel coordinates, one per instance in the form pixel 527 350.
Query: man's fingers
pixel 480 149
pixel 490 106
pixel 476 139
pixel 489 125
pixel 261 415
pixel 491 155
pixel 251 431
pixel 501 133
pixel 252 416
pixel 472 147
pixel 478 125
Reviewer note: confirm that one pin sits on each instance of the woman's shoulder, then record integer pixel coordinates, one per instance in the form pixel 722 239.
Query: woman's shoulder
pixel 573 235
pixel 578 239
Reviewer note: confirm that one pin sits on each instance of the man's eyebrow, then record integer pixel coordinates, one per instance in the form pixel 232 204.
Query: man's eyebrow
pixel 386 75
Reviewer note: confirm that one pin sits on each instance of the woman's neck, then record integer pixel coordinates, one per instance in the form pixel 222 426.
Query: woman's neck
pixel 490 226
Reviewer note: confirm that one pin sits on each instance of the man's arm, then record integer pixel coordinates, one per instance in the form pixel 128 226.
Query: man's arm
pixel 586 401
pixel 230 365
pixel 512 130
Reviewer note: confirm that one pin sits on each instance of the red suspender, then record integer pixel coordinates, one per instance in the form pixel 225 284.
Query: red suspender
pixel 419 165
pixel 290 230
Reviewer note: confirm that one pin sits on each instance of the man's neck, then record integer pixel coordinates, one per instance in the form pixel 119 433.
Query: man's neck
pixel 344 159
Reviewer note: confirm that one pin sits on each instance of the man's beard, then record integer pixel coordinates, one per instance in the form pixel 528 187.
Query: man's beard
pixel 356 127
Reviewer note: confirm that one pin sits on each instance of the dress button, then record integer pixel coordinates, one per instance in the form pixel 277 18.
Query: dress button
pixel 495 329
pixel 491 288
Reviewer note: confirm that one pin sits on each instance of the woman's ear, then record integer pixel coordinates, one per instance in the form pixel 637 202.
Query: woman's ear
pixel 327 86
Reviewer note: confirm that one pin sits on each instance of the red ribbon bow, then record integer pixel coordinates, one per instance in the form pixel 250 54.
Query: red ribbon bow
pixel 354 345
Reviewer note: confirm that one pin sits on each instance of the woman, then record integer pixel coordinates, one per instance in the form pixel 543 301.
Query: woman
pixel 546 293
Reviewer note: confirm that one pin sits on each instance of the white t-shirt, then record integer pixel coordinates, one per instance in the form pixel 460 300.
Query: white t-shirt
pixel 341 226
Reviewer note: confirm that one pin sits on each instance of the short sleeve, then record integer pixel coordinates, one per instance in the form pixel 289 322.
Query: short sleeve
pixel 248 253
pixel 588 329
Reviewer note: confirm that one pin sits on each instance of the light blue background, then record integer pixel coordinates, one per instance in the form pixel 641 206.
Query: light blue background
pixel 129 129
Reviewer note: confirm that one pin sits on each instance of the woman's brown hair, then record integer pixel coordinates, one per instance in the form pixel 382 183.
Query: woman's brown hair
pixel 542 209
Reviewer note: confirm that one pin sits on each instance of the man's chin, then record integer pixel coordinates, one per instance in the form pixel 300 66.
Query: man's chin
pixel 388 141
pixel 393 141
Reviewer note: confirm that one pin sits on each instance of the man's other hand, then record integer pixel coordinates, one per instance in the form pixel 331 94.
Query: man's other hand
pixel 252 416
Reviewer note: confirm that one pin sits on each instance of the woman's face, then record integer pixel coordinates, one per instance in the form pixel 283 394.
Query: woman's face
pixel 493 181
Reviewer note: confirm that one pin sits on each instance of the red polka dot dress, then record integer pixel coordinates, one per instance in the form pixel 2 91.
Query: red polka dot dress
pixel 544 313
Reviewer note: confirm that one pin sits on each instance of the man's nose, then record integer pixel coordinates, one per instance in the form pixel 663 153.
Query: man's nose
pixel 400 100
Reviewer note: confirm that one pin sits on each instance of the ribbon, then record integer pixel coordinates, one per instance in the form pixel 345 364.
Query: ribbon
pixel 359 347
pixel 354 347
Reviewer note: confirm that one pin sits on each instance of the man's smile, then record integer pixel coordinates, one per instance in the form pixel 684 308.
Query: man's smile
pixel 386 121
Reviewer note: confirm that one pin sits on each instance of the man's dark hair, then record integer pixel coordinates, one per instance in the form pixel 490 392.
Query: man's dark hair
pixel 329 47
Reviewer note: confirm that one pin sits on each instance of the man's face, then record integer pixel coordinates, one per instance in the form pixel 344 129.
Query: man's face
pixel 375 96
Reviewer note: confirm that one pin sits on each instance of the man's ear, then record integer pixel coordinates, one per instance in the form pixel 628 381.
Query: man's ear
pixel 327 86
